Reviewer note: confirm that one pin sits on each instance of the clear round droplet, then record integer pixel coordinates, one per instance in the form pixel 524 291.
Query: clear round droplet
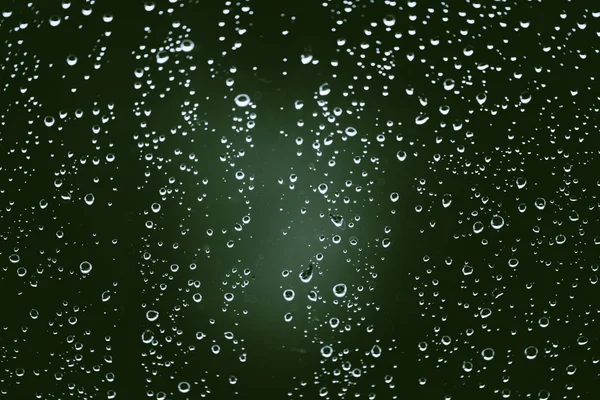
pixel 147 336
pixel 540 203
pixel 531 352
pixel 85 267
pixel 340 290
pixel 152 315
pixel 242 100
pixel 49 121
pixel 187 45
pixel 71 60
pixel 184 387
pixel 350 131
pixel 497 222
pixel 89 199
pixel 488 354
pixel 162 57
pixel 326 351
pixel 289 294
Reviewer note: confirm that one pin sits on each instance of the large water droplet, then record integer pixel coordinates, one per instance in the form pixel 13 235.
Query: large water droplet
pixel 242 100
pixel 152 315
pixel 340 290
pixel 85 267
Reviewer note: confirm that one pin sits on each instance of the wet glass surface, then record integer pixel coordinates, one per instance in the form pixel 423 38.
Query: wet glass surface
pixel 303 200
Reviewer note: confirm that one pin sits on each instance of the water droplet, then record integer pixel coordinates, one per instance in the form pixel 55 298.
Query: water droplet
pixel 446 200
pixel 152 315
pixel 85 267
pixel 187 45
pixel 389 20
pixel 467 270
pixel 582 340
pixel 162 57
pixel 488 354
pixel 481 98
pixel 521 182
pixel 340 290
pixel 71 60
pixel 540 203
pixel 54 20
pixel 421 119
pixel 531 352
pixel 467 366
pixel 326 351
pixel 525 97
pixel 289 294
pixel 449 84
pixel 350 131
pixel 338 221
pixel 306 58
pixel 147 336
pixel 184 387
pixel 89 199
pixel 49 121
pixel 324 89
pixel 306 276
pixel 497 222
pixel 149 5
pixel 242 100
